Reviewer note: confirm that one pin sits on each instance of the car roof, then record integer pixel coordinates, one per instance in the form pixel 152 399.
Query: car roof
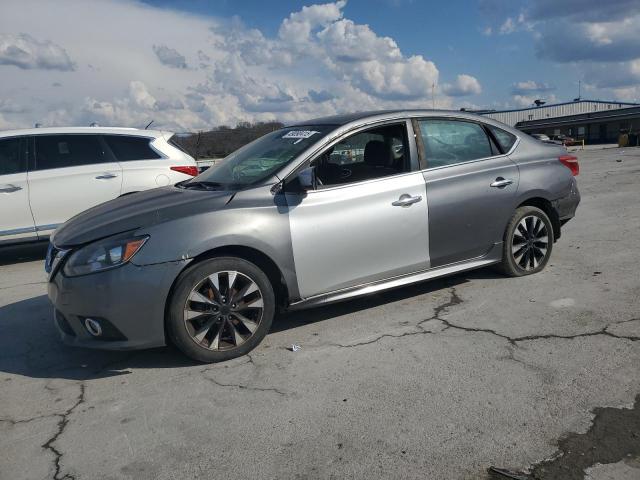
pixel 381 115
pixel 83 130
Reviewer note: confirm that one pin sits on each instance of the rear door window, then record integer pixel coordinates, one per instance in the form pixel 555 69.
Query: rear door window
pixel 10 159
pixel 448 142
pixel 127 148
pixel 59 151
pixel 504 138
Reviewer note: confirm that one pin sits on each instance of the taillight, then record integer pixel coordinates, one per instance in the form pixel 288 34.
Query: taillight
pixel 571 163
pixel 193 171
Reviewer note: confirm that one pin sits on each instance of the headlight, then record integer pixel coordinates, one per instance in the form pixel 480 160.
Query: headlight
pixel 103 255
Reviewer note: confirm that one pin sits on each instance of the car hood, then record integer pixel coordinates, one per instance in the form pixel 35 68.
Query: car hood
pixel 136 211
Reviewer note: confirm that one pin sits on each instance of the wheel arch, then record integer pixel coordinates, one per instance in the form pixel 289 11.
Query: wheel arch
pixel 547 207
pixel 253 255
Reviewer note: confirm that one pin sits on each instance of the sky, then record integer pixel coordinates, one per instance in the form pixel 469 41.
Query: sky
pixel 194 64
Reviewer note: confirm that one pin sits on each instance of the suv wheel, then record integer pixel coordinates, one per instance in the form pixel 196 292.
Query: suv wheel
pixel 221 309
pixel 528 242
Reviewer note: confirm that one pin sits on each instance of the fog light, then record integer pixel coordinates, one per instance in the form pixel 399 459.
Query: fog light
pixel 93 327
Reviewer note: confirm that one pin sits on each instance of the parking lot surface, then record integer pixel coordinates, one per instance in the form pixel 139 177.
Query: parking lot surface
pixel 439 380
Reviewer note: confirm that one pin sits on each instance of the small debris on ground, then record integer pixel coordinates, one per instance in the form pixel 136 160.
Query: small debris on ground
pixel 294 347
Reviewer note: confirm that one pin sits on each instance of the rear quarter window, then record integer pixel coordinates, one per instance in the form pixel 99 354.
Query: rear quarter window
pixel 504 138
pixel 127 148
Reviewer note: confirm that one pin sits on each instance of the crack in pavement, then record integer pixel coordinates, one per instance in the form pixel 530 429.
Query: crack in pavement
pixel 245 387
pixel 12 421
pixel 456 300
pixel 62 424
pixel 437 311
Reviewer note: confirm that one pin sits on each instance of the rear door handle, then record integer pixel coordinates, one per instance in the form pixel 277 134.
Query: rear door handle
pixel 9 188
pixel 501 182
pixel 406 200
pixel 106 176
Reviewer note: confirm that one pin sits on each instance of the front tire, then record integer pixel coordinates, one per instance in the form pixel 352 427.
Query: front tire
pixel 528 242
pixel 221 308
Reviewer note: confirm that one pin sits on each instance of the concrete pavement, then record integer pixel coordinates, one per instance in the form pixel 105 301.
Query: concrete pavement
pixel 438 380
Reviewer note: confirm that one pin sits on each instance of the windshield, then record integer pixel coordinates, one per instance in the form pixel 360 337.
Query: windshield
pixel 261 158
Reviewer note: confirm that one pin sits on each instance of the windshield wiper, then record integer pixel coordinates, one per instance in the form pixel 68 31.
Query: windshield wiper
pixel 204 185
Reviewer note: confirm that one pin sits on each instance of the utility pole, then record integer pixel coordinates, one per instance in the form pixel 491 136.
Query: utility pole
pixel 579 89
pixel 433 95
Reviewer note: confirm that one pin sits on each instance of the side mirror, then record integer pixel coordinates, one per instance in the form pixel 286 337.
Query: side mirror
pixel 304 181
pixel 308 179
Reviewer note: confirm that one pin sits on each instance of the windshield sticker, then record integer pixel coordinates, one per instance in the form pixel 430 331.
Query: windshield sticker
pixel 300 134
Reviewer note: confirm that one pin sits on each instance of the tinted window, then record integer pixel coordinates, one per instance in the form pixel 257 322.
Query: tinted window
pixel 58 151
pixel 374 153
pixel 447 142
pixel 505 139
pixel 131 148
pixel 10 161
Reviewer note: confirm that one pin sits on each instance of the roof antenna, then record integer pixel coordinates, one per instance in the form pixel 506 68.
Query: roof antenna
pixel 148 124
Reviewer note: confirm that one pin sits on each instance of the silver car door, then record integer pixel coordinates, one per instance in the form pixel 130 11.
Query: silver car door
pixel 360 233
pixel 355 233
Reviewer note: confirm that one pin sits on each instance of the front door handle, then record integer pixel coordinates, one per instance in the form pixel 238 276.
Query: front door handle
pixel 501 182
pixel 106 176
pixel 9 188
pixel 406 200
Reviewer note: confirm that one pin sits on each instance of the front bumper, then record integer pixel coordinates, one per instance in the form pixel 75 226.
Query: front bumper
pixel 128 301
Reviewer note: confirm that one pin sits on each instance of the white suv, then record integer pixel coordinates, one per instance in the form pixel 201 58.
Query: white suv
pixel 48 175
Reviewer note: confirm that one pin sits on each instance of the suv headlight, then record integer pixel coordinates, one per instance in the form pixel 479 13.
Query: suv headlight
pixel 103 255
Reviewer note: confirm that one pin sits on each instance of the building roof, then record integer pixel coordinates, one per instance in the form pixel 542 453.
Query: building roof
pixel 547 105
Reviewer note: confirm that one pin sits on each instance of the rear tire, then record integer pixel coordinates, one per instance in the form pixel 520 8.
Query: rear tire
pixel 221 308
pixel 528 242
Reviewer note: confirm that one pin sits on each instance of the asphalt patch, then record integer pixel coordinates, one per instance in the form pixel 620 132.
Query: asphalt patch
pixel 613 436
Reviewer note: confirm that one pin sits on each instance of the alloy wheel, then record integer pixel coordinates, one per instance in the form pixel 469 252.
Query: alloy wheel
pixel 529 246
pixel 223 310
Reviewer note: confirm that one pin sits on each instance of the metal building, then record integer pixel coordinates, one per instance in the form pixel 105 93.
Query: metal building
pixel 513 117
pixel 593 121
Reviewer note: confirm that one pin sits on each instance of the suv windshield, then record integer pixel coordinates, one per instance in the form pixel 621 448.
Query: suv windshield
pixel 261 158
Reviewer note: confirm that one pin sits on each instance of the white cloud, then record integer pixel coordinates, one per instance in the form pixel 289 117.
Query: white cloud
pixel 170 56
pixel 318 63
pixel 24 51
pixel 509 26
pixel 464 85
pixel 530 86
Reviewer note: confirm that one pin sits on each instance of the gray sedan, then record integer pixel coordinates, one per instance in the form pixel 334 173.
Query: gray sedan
pixel 285 223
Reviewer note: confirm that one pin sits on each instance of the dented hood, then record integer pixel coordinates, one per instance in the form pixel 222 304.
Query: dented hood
pixel 136 211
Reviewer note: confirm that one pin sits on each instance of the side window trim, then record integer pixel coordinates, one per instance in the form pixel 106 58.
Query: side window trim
pixel 419 142
pixel 108 153
pixel 459 119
